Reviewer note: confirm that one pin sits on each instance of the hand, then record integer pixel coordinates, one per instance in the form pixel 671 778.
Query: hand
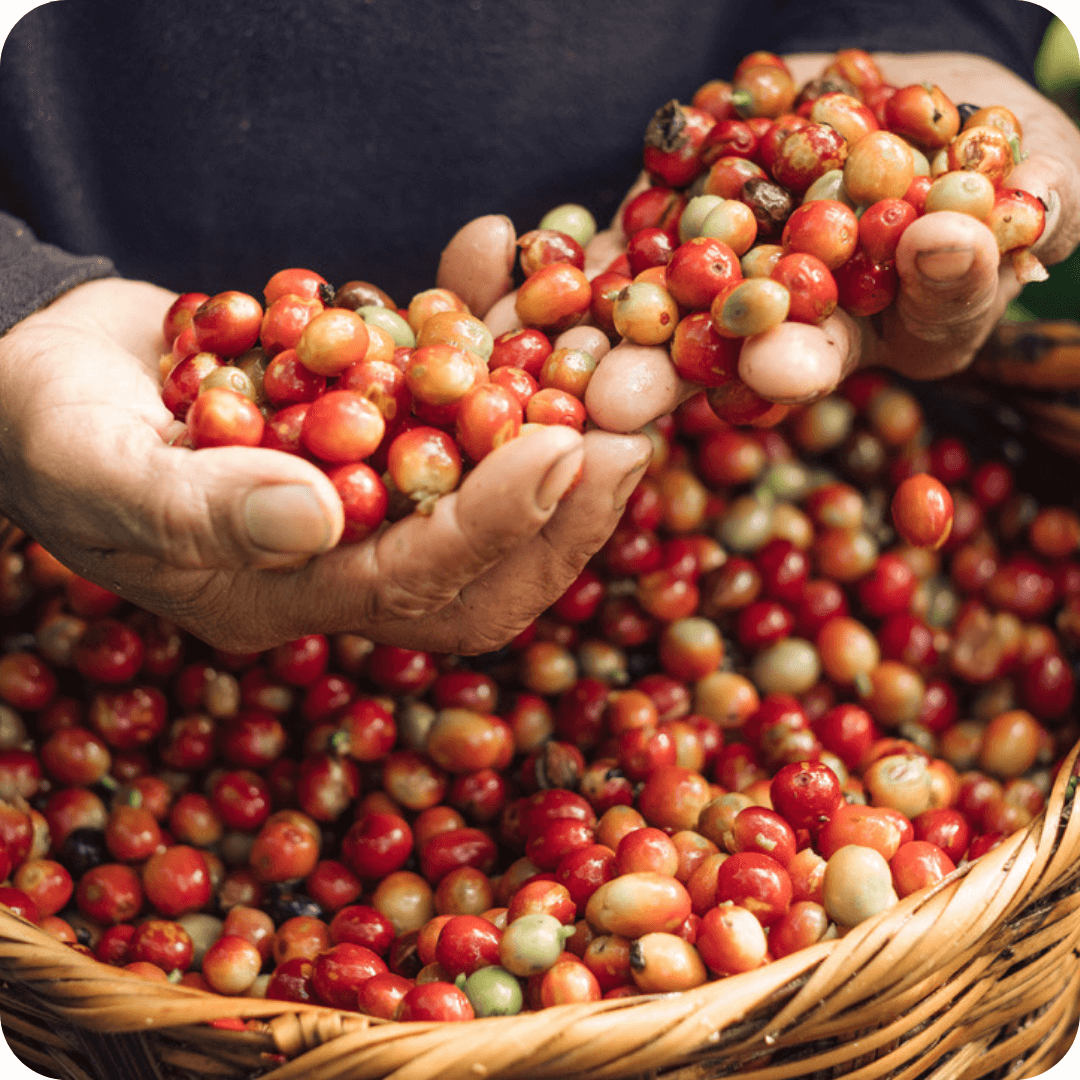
pixel 954 288
pixel 234 544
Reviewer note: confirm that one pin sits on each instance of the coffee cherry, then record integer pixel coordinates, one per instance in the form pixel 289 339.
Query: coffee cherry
pixel 222 417
pixel 922 511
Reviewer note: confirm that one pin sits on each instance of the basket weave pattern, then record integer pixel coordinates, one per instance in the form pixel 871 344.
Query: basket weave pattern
pixel 978 976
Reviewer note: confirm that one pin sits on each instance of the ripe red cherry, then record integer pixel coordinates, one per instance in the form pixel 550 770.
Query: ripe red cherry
pixel 865 287
pixel 181 386
pixel 332 341
pixel 467 943
pixel 109 652
pixel 673 143
pixel 242 798
pixel 364 499
pixel 129 719
pixel 923 114
pixel 284 322
pixel 291 981
pixel 811 285
pixel 824 228
pixel 363 925
pixel 806 793
pixel 338 973
pixel 302 661
pixel 756 882
pixel 342 426
pixel 177 880
pixel 490 416
pixel 434 1001
pixel 287 382
pixel 300 282
pixel 888 588
pixel 286 848
pixel 762 623
pixel 922 510
pixel 806 154
pixel 525 348
pixel 132 834
pixel 282 430
pixel 947 828
pixel 699 269
pixel 648 248
pixel 656 206
pixel 228 323
pixel 456 847
pixel 161 942
pixel 178 317
pixel 110 893
pixel 757 828
pixel 881 226
pixel 784 570
pixel 377 845
pixel 222 417
pixel 75 756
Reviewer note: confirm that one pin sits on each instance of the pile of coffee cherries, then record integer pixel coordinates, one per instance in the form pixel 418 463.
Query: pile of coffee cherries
pixel 772 203
pixel 768 204
pixel 392 403
pixel 756 719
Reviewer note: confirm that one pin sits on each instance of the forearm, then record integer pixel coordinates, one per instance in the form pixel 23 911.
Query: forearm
pixel 32 273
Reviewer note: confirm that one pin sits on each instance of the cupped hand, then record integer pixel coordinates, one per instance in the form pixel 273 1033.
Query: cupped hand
pixel 953 286
pixel 236 544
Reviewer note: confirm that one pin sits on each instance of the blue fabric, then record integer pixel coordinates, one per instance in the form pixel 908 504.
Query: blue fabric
pixel 203 144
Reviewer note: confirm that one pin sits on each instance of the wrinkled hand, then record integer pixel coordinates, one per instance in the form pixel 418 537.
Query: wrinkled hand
pixel 234 543
pixel 954 287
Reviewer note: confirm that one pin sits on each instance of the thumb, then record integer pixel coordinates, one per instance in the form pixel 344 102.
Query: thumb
pixel 232 506
pixel 1056 183
pixel 478 262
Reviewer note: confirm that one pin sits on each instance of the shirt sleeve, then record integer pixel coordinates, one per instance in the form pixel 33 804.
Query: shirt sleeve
pixel 32 273
pixel 1009 31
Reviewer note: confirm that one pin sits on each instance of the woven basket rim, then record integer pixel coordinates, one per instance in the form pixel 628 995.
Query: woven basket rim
pixel 894 954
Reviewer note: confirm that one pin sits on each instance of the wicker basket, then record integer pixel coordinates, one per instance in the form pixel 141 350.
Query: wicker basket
pixel 976 977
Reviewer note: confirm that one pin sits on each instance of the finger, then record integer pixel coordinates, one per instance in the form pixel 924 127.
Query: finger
pixel 419 566
pixel 632 385
pixel 603 249
pixel 642 183
pixel 391 587
pixel 100 479
pixel 504 601
pixel 503 317
pixel 950 295
pixel 225 507
pixel 478 262
pixel 130 313
pixel 1056 182
pixel 948 265
pixel 796 362
pixel 590 339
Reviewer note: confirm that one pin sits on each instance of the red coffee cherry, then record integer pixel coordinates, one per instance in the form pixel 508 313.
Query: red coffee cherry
pixel 922 510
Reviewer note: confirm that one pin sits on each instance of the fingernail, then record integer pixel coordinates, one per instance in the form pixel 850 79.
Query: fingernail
pixel 629 482
pixel 945 264
pixel 559 478
pixel 286 517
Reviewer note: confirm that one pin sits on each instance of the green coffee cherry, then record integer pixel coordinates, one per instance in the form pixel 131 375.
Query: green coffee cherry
pixel 492 991
pixel 531 944
pixel 697 210
pixel 572 219
pixel 391 322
